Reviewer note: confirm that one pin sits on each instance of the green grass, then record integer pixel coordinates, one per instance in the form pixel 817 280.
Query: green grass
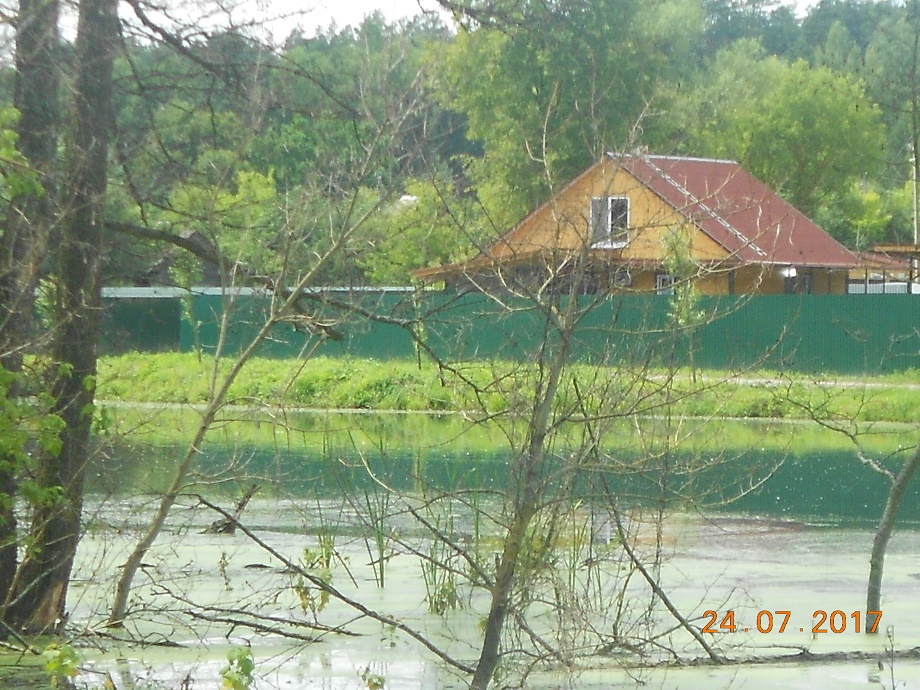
pixel 333 384
pixel 650 411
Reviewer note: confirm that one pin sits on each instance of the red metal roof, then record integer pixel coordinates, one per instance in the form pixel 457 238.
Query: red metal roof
pixel 738 211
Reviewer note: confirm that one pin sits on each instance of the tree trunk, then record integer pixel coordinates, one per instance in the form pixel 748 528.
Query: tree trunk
pixel 40 597
pixel 501 592
pixel 525 504
pixel 883 536
pixel 133 563
pixel 23 242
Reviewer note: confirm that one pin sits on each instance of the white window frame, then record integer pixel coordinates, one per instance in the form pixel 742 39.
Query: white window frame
pixel 605 235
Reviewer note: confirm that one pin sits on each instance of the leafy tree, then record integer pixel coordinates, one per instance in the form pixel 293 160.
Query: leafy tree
pixel 793 139
pixel 36 599
pixel 839 52
pixel 858 218
pixel 550 92
pixel 738 77
pixel 727 21
pixel 422 229
pixel 782 33
pixel 28 142
pixel 892 64
pixel 784 123
pixel 25 424
pixel 241 218
pixel 860 19
pixel 899 207
pixel 321 107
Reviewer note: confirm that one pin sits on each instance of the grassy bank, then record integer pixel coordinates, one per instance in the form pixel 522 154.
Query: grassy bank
pixel 326 383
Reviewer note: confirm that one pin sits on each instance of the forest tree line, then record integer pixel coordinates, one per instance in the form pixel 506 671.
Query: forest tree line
pixel 494 112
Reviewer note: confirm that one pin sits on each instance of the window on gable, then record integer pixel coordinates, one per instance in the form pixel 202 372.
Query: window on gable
pixel 610 221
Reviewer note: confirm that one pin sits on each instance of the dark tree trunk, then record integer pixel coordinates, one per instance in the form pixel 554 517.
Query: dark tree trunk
pixel 40 597
pixel 23 242
pixel 883 536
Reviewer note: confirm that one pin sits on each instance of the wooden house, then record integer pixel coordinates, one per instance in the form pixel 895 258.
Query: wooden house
pixel 642 222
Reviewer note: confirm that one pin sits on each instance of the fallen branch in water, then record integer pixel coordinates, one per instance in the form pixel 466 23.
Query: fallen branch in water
pixel 227 524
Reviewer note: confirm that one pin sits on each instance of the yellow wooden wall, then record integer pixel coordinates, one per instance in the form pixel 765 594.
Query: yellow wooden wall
pixel 747 280
pixel 565 221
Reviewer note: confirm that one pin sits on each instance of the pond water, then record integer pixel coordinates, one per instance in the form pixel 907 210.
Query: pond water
pixel 797 540
pixel 814 475
pixel 741 565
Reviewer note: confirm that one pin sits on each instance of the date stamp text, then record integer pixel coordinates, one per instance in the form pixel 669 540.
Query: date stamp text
pixel 778 622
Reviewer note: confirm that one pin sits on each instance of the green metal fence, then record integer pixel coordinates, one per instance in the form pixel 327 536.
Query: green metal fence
pixel 146 324
pixel 812 333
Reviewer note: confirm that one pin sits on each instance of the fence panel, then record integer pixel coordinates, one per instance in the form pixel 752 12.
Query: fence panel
pixel 845 334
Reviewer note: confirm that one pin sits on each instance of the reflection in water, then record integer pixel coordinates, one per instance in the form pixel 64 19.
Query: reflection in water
pixel 823 486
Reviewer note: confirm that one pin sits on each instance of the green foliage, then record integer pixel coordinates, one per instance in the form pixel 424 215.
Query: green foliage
pixel 793 140
pixel 429 226
pixel 729 21
pixel 839 52
pixel 240 218
pixel 503 114
pixel 785 122
pixel 679 263
pixel 899 206
pixel 16 177
pixel 318 564
pixel 507 111
pixel 27 425
pixel 373 681
pixel 327 383
pixel 549 95
pixel 377 512
pixel 184 142
pixel 238 673
pixel 892 70
pixel 858 218
pixel 268 151
pixel 61 664
pixel 862 20
pixel 439 572
pixel 300 151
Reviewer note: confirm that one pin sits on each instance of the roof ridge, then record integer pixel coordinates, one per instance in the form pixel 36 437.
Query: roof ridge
pixel 695 159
